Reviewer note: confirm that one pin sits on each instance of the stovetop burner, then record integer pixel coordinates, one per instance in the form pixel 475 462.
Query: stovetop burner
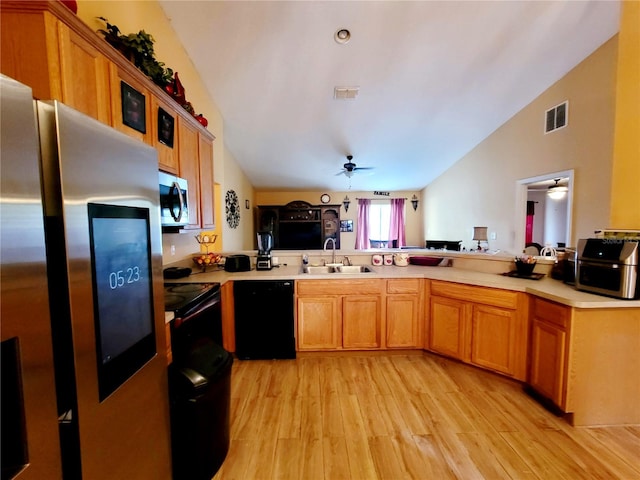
pixel 180 297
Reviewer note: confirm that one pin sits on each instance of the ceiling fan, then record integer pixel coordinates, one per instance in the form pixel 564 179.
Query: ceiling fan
pixel 350 168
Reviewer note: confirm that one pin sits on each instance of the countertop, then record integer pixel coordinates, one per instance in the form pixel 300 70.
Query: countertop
pixel 547 287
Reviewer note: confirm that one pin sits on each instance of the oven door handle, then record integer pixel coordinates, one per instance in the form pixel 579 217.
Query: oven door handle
pixel 600 264
pixel 198 309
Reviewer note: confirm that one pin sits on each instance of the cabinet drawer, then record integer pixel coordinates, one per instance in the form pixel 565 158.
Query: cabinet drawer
pixel 403 285
pixel 551 312
pixel 339 287
pixel 484 295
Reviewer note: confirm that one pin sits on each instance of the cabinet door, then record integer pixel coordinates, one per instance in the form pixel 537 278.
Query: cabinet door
pixel 493 338
pixel 403 321
pixel 190 168
pixel 448 327
pixel 361 316
pixel 205 156
pixel 131 111
pixel 164 135
pixel 319 323
pixel 84 73
pixel 548 354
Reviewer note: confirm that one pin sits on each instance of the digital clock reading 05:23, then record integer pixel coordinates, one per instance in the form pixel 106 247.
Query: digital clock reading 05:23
pixel 123 277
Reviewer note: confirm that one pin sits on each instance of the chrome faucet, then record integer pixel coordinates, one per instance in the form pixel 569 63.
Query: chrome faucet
pixel 333 256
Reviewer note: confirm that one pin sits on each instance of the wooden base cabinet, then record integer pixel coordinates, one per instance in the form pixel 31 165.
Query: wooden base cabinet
pixel 548 361
pixel 404 301
pixel 586 361
pixel 339 314
pixel 361 322
pixel 549 343
pixel 448 328
pixel 486 327
pixel 319 323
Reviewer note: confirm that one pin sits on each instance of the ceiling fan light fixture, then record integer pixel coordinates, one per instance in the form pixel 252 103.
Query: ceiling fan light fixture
pixel 557 192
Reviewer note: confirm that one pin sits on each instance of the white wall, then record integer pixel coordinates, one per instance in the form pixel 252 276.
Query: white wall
pixel 555 221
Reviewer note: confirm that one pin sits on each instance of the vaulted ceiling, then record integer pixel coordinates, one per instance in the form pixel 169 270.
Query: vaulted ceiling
pixel 435 78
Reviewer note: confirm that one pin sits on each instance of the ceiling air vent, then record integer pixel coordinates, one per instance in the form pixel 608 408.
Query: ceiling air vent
pixel 556 117
pixel 345 93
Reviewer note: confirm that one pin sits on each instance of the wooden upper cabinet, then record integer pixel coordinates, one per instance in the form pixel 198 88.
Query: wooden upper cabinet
pixel 207 198
pixel 190 167
pixel 164 126
pixel 29 50
pixel 130 105
pixel 84 75
pixel 55 61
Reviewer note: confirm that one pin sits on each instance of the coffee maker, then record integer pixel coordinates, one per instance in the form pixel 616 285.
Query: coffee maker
pixel 265 244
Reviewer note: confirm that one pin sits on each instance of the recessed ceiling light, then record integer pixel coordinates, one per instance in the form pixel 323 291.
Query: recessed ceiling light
pixel 342 36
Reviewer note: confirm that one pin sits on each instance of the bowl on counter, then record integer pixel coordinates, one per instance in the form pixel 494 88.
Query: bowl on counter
pixel 525 264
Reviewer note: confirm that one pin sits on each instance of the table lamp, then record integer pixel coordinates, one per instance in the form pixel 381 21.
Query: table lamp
pixel 480 234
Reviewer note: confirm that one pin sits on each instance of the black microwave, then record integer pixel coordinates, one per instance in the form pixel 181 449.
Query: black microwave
pixel 174 207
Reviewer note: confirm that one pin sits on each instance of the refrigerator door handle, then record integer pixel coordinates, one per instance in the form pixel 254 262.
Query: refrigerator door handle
pixel 176 187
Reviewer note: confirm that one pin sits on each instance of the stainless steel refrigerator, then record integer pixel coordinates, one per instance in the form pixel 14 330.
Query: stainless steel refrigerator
pixel 84 378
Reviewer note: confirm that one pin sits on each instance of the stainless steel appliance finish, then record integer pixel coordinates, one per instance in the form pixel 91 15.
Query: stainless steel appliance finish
pixel 569 266
pixel 174 194
pixel 608 267
pixel 83 163
pixel 31 416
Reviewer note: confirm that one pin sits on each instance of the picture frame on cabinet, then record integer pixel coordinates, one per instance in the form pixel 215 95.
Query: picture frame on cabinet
pixel 165 127
pixel 133 108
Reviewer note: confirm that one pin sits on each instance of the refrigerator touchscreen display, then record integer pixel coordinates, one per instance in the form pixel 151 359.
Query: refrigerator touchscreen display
pixel 122 291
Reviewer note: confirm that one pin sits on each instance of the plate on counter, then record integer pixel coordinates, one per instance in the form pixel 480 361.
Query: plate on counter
pixel 530 276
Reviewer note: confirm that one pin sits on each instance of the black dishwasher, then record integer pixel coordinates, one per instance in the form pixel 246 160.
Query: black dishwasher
pixel 264 319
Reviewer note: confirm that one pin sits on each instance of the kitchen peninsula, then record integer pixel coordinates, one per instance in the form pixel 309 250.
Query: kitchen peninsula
pixel 578 350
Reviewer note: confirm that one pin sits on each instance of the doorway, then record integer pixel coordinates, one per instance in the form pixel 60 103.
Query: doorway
pixel 540 218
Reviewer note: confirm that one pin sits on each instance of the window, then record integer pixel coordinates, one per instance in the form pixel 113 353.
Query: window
pixel 379 219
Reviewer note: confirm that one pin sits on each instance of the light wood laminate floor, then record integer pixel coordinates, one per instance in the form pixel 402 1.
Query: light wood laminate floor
pixel 406 417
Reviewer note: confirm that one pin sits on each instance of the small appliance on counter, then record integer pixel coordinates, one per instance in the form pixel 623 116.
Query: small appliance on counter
pixel 176 272
pixel 265 245
pixel 237 263
pixel 608 267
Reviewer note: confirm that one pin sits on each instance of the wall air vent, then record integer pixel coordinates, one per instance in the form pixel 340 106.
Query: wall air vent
pixel 556 117
pixel 345 93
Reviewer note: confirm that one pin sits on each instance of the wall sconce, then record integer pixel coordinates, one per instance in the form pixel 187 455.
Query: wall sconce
pixel 345 203
pixel 480 234
pixel 414 202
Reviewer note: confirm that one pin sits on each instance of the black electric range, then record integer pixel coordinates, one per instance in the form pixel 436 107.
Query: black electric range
pixel 185 298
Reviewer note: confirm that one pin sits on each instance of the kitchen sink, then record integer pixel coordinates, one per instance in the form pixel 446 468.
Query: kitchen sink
pixel 337 269
pixel 353 269
pixel 316 270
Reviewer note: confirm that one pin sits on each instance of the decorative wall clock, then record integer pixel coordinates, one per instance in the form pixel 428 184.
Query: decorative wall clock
pixel 232 209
